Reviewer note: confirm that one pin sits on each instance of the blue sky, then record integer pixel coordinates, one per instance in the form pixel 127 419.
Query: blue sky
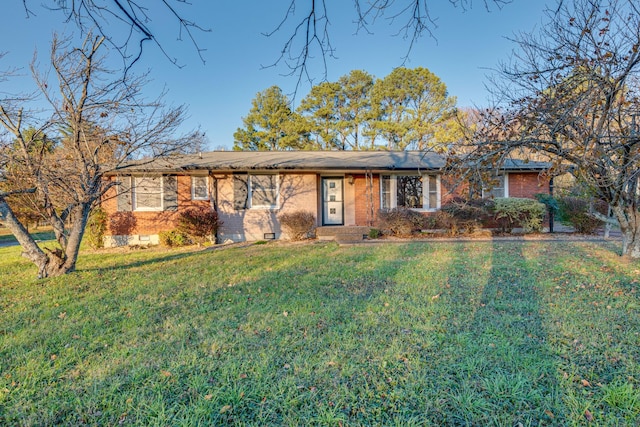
pixel 466 46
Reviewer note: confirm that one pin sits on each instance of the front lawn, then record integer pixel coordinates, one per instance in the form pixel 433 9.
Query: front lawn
pixel 434 334
pixel 40 234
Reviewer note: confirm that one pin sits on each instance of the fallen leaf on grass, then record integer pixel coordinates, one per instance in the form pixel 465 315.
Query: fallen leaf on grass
pixel 588 415
pixel 435 297
pixel 585 383
pixel 208 396
pixel 549 414
pixel 165 374
pixel 225 408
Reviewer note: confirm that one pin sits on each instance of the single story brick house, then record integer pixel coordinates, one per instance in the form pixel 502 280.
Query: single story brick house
pixel 250 189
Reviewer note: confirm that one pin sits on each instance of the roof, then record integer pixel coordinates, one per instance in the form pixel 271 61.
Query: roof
pixel 245 161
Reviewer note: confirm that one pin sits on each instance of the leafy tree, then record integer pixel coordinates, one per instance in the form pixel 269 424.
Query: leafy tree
pixel 355 109
pixel 271 124
pixel 107 123
pixel 571 94
pixel 412 109
pixel 320 108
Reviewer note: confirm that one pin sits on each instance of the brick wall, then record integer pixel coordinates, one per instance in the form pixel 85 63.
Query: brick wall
pixel 148 223
pixel 297 192
pixel 527 184
pixel 362 200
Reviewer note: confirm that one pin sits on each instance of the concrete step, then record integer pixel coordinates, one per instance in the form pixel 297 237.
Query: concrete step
pixel 342 233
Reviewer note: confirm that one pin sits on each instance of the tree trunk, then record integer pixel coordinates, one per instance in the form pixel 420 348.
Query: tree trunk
pixel 53 262
pixel 629 219
pixel 31 250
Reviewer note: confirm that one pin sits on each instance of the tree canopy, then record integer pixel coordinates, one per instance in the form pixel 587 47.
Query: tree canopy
pixel 270 124
pixel 571 94
pixel 408 109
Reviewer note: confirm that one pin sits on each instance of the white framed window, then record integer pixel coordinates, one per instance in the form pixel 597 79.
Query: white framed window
pixel 419 192
pixel 147 193
pixel 499 187
pixel 199 188
pixel 263 191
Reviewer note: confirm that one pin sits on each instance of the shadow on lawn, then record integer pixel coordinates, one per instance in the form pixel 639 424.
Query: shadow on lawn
pixel 504 373
pixel 120 266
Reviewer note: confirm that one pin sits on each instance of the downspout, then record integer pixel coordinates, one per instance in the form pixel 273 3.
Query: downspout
pixel 551 210
pixel 213 199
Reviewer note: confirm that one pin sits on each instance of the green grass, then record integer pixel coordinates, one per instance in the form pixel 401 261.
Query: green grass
pixel 415 334
pixel 39 234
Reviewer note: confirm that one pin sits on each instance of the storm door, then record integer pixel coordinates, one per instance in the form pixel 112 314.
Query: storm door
pixel 332 201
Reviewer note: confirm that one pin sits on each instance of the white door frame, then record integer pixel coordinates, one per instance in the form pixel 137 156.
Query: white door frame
pixel 332 200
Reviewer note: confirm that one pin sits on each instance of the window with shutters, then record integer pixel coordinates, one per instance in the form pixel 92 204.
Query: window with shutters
pixel 418 192
pixel 147 193
pixel 263 191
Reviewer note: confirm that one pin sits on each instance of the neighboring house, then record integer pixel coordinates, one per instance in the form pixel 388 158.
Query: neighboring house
pixel 250 189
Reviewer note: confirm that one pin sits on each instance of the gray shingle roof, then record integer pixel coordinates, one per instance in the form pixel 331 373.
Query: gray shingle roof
pixel 245 161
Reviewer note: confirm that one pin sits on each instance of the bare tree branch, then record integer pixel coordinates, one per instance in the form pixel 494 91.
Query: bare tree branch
pixel 310 37
pixel 109 18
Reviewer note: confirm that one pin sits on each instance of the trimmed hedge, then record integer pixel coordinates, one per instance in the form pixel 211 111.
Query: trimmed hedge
pixel 511 212
pixel 299 225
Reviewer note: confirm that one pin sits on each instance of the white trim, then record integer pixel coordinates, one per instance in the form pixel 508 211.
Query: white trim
pixel 193 188
pixel 506 184
pixel 393 191
pixel 250 192
pixel 505 187
pixel 134 195
pixel 425 190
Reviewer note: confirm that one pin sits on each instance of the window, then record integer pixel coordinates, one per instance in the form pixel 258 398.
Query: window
pixel 147 193
pixel 499 187
pixel 420 192
pixel 263 191
pixel 199 188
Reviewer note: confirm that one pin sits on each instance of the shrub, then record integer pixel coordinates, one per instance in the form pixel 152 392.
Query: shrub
pixel 513 211
pixel 400 221
pixel 464 216
pixel 299 225
pixel 173 238
pixel 575 211
pixel 96 227
pixel 549 201
pixel 199 223
pixel 374 233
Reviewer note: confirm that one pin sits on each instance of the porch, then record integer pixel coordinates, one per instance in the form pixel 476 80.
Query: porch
pixel 342 234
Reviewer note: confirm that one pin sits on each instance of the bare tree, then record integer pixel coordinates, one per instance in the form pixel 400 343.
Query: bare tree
pixel 100 123
pixel 571 93
pixel 127 25
pixel 310 37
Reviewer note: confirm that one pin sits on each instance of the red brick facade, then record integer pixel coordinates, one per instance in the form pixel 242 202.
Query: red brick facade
pixel 363 198
pixel 521 184
pixel 527 185
pixel 148 223
pixel 297 191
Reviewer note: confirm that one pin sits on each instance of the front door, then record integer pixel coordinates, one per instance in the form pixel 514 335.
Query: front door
pixel 332 201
